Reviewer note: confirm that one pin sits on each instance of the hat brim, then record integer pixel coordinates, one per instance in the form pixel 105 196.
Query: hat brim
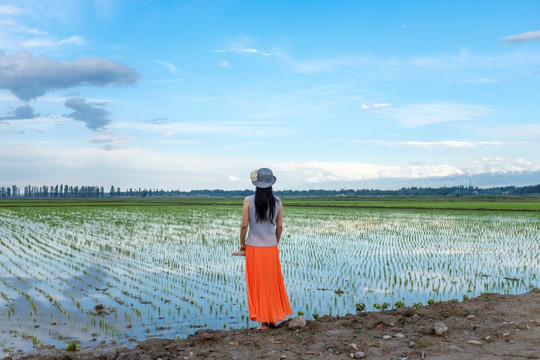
pixel 264 185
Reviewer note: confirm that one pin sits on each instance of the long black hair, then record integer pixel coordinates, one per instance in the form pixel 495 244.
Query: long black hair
pixel 265 205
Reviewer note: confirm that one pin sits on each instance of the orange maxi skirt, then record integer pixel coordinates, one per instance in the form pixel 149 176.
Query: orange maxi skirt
pixel 267 297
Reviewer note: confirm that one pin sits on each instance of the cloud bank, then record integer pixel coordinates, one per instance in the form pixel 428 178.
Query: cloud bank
pixel 126 165
pixel 29 77
pixel 327 173
pixel 324 171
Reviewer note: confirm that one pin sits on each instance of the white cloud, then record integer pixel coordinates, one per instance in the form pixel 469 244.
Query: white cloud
pixel 22 29
pixel 488 81
pixel 245 48
pixel 385 67
pixel 322 172
pixel 20 26
pixel 521 38
pixel 40 123
pixel 128 167
pixel 247 144
pixel 430 144
pixel 477 80
pixel 516 132
pixel 224 128
pixel 248 50
pixel 111 141
pixel 443 61
pixel 224 64
pixel 499 164
pixel 124 167
pixel 434 113
pixel 373 106
pixel 45 42
pixel 177 141
pixel 301 66
pixel 324 65
pixel 9 10
pixel 173 69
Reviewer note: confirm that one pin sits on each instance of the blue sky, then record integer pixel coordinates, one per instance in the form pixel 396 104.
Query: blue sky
pixel 329 94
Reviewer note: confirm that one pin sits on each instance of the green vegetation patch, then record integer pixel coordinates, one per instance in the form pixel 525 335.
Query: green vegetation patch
pixel 510 203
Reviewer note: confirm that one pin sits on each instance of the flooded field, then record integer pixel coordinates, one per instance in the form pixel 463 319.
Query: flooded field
pixel 118 274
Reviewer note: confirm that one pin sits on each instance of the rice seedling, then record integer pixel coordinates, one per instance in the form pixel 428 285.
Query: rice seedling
pixel 169 268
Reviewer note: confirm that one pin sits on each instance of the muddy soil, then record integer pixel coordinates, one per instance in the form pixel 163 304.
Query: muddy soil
pixel 491 326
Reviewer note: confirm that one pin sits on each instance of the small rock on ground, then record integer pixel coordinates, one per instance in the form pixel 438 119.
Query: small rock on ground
pixel 453 348
pixel 297 323
pixel 440 328
pixel 358 355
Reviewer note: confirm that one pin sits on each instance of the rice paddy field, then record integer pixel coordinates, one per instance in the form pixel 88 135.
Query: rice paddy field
pixel 114 273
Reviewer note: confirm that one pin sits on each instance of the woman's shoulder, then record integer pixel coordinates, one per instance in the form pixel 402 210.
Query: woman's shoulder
pixel 277 199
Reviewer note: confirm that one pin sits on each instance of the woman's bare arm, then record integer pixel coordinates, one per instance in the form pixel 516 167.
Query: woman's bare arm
pixel 279 223
pixel 245 224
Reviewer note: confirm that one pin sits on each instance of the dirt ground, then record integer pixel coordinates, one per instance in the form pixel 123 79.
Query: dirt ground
pixel 491 326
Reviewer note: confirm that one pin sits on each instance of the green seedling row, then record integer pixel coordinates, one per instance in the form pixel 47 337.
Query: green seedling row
pixel 92 275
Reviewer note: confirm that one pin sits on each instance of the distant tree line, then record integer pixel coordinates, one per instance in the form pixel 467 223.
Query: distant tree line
pixel 67 191
pixel 13 191
pixel 420 191
pixel 412 191
pixel 54 191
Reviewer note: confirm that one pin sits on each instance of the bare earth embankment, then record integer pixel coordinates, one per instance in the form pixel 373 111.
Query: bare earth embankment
pixel 491 326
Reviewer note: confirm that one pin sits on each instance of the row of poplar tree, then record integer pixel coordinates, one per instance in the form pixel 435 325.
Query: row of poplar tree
pixel 56 191
pixel 67 191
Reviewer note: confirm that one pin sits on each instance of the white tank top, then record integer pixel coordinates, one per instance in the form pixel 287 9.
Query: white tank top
pixel 262 234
